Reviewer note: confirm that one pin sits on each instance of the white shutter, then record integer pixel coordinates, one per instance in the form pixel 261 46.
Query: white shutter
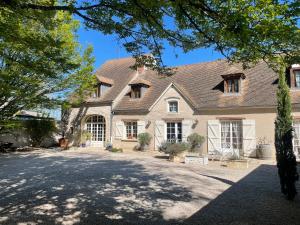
pixel 119 132
pixel 186 129
pixel 159 133
pixel 249 138
pixel 141 126
pixel 213 135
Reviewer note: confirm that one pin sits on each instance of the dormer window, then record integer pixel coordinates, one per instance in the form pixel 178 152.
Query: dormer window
pixel 232 83
pixel 138 87
pixel 232 86
pixel 101 89
pixel 173 106
pixel 136 92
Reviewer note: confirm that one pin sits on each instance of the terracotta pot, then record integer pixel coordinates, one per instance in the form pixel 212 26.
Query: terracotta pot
pixel 63 143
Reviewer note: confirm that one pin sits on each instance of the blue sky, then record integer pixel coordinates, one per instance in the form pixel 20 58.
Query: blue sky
pixel 107 47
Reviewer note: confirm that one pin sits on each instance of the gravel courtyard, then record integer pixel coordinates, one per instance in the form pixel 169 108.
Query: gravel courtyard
pixel 90 187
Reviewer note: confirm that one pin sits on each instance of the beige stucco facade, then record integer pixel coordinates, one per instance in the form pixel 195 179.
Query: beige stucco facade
pixel 77 119
pixel 262 118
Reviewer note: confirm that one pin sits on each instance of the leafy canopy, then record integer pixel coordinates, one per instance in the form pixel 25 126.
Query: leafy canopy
pixel 39 54
pixel 242 30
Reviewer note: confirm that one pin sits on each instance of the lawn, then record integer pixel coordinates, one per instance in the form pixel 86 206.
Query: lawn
pixel 90 187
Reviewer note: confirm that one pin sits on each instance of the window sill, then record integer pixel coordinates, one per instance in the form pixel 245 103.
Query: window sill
pixel 295 89
pixel 129 140
pixel 232 94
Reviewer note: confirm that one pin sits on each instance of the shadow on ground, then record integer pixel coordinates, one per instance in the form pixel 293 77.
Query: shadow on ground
pixel 85 189
pixel 255 199
pixel 63 190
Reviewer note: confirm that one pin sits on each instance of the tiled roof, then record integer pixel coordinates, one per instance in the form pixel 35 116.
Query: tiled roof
pixel 105 80
pixel 140 81
pixel 201 83
pixel 117 71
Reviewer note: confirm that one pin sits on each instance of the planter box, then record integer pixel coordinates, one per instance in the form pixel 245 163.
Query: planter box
pixel 200 160
pixel 264 151
pixel 238 164
pixel 177 158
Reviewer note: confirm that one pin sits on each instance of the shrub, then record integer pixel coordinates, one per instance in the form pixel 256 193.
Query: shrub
pixel 144 139
pixel 174 149
pixel 116 150
pixel 163 146
pixel 85 136
pixel 39 129
pixel 195 140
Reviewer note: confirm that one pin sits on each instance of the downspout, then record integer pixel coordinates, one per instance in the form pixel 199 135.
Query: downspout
pixel 111 119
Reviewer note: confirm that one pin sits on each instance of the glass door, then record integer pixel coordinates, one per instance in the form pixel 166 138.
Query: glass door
pixel 231 136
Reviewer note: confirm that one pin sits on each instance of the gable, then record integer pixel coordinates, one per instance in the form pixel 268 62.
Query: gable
pixel 160 107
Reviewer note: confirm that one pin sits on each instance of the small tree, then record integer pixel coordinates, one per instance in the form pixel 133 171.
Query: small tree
pixel 286 160
pixel 195 140
pixel 39 129
pixel 144 140
pixel 174 149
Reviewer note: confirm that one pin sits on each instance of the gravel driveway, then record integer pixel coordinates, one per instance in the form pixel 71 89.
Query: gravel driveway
pixel 90 187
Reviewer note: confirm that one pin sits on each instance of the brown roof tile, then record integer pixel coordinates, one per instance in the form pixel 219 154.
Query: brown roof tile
pixel 117 71
pixel 201 83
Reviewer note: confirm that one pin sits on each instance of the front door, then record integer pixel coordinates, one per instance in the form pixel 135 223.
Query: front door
pixel 96 126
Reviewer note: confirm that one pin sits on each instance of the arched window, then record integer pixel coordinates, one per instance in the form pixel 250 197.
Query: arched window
pixel 96 126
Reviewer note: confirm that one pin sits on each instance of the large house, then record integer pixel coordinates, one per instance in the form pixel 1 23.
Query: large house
pixel 231 107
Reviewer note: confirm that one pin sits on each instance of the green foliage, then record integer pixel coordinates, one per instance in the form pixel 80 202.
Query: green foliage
pixel 286 160
pixel 144 139
pixel 8 126
pixel 174 149
pixel 85 136
pixel 242 30
pixel 116 150
pixel 195 140
pixel 40 59
pixel 39 129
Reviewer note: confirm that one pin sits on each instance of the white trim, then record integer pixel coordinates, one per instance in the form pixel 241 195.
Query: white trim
pixel 165 91
pixel 168 105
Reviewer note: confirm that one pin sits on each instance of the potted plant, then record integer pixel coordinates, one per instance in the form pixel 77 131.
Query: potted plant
pixel 195 152
pixel 195 140
pixel 144 140
pixel 108 146
pixel 63 142
pixel 264 149
pixel 176 151
pixel 85 138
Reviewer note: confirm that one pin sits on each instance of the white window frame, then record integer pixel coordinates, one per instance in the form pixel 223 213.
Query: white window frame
pixel 176 131
pixel 96 126
pixel 296 125
pixel 169 106
pixel 297 72
pixel 240 84
pixel 129 126
pixel 240 143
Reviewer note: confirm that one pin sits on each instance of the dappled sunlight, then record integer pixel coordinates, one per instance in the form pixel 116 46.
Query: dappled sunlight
pixel 67 189
pixel 71 188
